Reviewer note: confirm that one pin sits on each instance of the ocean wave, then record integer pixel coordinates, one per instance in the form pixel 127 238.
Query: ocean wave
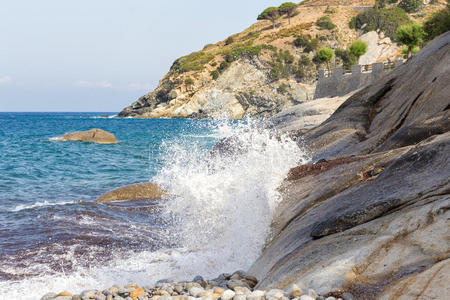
pixel 41 204
pixel 56 139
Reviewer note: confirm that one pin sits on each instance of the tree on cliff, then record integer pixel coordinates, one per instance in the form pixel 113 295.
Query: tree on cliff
pixel 271 14
pixel 410 35
pixel 358 48
pixel 324 55
pixel 287 8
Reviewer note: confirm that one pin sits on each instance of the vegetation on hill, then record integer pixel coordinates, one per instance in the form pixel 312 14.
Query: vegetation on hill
pixel 411 5
pixel 437 24
pixel 358 48
pixel 411 36
pixel 387 20
pixel 271 13
pixel 287 8
pixel 325 23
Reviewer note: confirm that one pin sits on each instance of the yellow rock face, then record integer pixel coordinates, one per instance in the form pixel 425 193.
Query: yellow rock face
pixel 91 136
pixel 132 192
pixel 64 294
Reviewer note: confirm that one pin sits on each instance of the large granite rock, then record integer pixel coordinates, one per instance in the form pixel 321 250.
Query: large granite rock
pixel 371 216
pixel 91 136
pixel 137 191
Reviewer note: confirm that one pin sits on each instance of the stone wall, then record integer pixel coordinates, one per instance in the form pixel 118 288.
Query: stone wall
pixel 339 82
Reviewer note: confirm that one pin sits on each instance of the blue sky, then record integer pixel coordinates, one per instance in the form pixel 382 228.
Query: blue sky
pixel 101 55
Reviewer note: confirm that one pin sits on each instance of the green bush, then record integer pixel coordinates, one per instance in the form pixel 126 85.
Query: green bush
pixel 281 65
pixel 305 60
pixel 410 35
pixel 437 24
pixel 229 41
pixel 189 81
pixel 285 56
pixel 282 88
pixel 195 61
pixel 358 48
pixel 324 55
pixel 348 59
pixel 307 43
pixel 325 23
pixel 214 74
pixel 387 20
pixel 300 72
pixel 411 6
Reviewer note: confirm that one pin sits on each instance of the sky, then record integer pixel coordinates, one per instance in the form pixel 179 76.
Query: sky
pixel 101 55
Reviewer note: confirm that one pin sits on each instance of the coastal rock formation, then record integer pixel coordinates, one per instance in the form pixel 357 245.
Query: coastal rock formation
pixel 146 190
pixel 379 48
pixel 257 72
pixel 94 135
pixel 307 115
pixel 371 216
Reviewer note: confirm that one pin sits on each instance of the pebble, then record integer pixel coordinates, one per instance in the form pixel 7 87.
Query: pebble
pixel 239 297
pixel 347 296
pixel 195 291
pixel 306 297
pixel 312 293
pixel 275 293
pixel 294 291
pixel 227 295
pixel 48 296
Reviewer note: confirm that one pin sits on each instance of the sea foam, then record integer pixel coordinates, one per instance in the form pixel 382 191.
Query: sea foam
pixel 218 214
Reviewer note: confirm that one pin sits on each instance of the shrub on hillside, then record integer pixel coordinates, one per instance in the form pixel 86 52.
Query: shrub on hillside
pixel 437 24
pixel 411 6
pixel 307 43
pixel 195 61
pixel 324 55
pixel 229 40
pixel 348 59
pixel 325 23
pixel 387 20
pixel 358 48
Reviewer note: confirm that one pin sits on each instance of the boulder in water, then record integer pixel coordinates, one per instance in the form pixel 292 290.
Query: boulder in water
pixel 94 135
pixel 137 191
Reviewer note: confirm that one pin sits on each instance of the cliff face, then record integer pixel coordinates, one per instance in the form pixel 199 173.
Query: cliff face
pixel 371 217
pixel 247 74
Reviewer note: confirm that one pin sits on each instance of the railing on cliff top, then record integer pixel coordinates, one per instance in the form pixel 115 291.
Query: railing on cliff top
pixel 360 69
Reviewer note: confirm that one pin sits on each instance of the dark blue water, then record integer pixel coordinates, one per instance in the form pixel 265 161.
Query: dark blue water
pixel 48 189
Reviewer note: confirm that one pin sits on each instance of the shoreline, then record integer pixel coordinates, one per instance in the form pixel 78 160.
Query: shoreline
pixel 236 286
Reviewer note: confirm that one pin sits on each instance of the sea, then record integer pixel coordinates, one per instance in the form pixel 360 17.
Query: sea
pixel 214 218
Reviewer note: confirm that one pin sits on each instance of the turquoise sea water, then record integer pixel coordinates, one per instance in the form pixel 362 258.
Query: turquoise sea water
pixel 54 237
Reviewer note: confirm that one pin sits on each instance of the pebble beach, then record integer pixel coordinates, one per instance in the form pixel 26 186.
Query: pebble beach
pixel 236 286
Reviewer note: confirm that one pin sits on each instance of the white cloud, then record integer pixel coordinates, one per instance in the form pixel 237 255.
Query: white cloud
pixel 138 86
pixel 96 84
pixel 4 80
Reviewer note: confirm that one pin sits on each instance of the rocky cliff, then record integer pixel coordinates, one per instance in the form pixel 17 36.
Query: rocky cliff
pixel 370 215
pixel 261 70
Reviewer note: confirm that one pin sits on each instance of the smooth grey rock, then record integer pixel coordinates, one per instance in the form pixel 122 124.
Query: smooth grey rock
pixel 347 296
pixel 195 291
pixel 48 296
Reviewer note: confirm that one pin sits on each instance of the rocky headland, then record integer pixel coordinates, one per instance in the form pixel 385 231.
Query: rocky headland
pixel 268 68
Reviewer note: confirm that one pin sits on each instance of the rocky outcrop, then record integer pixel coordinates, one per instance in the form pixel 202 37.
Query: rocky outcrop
pixel 307 115
pixel 371 216
pixel 139 191
pixel 257 72
pixel 379 48
pixel 91 136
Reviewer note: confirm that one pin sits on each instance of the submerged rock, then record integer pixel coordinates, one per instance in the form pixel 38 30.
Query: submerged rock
pixel 137 191
pixel 91 136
